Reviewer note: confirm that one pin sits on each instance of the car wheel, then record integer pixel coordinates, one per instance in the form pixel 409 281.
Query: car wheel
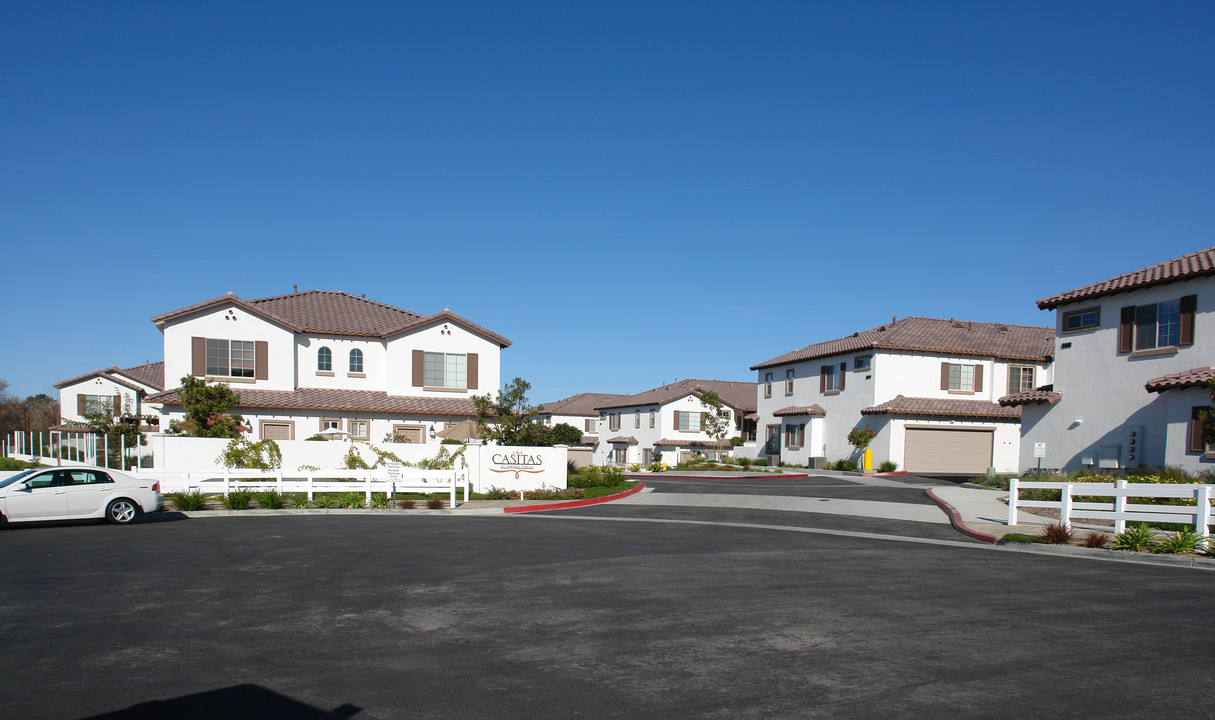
pixel 121 511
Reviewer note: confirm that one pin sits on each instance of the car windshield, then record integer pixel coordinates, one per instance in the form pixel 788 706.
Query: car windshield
pixel 14 478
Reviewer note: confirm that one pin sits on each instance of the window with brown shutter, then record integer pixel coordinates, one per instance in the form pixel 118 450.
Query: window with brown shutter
pixel 843 374
pixel 1189 306
pixel 419 367
pixel 198 356
pixel 1126 329
pixel 944 376
pixel 978 378
pixel 1197 443
pixel 261 360
pixel 473 367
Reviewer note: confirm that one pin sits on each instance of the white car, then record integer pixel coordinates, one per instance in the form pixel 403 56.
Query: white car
pixel 71 493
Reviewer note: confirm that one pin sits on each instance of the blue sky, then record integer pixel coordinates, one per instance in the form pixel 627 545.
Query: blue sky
pixel 631 192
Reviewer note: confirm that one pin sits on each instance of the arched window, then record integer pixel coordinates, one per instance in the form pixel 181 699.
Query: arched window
pixel 356 361
pixel 324 360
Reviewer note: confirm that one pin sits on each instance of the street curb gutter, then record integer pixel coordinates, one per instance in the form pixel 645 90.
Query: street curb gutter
pixel 956 520
pixel 577 503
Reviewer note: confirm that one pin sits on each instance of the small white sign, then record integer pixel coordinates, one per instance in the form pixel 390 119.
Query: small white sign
pixel 1039 450
pixel 394 471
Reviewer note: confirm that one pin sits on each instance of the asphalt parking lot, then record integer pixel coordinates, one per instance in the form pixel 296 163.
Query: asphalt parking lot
pixel 602 612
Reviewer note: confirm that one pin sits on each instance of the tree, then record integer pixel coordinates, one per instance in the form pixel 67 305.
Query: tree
pixel 509 419
pixel 207 410
pixel 565 434
pixel 36 413
pixel 118 435
pixel 717 420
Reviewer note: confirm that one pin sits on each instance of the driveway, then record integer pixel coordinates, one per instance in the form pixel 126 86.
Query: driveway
pixel 638 611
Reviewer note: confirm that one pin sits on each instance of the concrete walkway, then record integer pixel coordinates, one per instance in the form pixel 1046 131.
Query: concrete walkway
pixel 983 510
pixel 830 506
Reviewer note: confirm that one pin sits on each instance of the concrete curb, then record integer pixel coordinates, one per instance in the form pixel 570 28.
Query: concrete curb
pixel 1141 558
pixel 577 503
pixel 735 476
pixel 955 519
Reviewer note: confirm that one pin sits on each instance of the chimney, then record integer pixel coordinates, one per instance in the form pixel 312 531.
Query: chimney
pixel 295 288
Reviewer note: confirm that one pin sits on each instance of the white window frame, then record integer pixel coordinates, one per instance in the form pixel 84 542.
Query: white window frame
pixel 356 362
pixel 831 383
pixel 1089 319
pixel 324 359
pixel 364 435
pixel 789 375
pixel 684 421
pixel 1018 372
pixel 1160 336
pixel 239 358
pixel 961 378
pixel 767 385
pixel 451 369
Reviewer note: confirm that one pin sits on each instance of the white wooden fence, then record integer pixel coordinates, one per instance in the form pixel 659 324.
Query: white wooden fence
pixel 224 481
pixel 1120 510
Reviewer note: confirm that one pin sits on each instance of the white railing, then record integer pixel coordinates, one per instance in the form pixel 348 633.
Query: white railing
pixel 1119 510
pixel 73 448
pixel 225 481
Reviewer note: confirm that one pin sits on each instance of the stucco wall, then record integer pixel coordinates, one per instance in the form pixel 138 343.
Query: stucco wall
pixel 1102 391
pixel 228 322
pixel 444 337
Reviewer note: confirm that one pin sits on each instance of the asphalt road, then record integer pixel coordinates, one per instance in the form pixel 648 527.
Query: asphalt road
pixel 612 611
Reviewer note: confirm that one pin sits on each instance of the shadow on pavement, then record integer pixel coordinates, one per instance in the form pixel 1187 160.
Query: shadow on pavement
pixel 239 702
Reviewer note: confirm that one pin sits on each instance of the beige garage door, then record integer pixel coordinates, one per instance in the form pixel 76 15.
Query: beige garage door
pixel 947 450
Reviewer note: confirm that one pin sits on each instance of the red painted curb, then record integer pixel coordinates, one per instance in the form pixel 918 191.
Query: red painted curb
pixel 956 520
pixel 576 503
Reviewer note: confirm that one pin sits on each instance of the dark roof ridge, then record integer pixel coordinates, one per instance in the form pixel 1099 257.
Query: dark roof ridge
pixel 1199 263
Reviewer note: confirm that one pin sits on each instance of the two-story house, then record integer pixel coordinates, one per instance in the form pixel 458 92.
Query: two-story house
pixel 927 387
pixel 118 391
pixel 670 420
pixel 317 361
pixel 1133 356
pixel 578 411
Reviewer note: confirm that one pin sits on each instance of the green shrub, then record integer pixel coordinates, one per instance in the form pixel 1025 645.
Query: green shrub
pixel 7 464
pixel 634 468
pixel 601 491
pixel 596 476
pixel 325 501
pixel 760 462
pixel 380 501
pixel 272 500
pixel 888 466
pixel 1182 541
pixel 846 465
pixel 1018 538
pixel 298 500
pixel 654 467
pixel 1136 538
pixel 188 501
pixel 553 494
pixel 351 500
pixel 237 500
pixel 316 438
pixel 497 493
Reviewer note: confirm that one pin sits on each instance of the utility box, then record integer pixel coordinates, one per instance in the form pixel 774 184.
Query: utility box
pixel 1134 446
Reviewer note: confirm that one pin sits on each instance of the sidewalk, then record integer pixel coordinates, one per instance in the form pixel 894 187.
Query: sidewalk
pixel 982 511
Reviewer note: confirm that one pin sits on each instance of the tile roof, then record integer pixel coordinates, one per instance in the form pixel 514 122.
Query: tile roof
pixel 623 440
pixel 918 334
pixel 800 410
pixel 694 443
pixel 1197 377
pixel 738 395
pixel 327 312
pixel 97 373
pixel 580 404
pixel 1043 394
pixel 150 374
pixel 1196 264
pixel 944 407
pixel 349 400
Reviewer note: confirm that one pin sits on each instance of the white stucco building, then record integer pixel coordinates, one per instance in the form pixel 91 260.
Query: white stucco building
pixel 312 361
pixel 1133 356
pixel 119 391
pixel 670 420
pixel 928 387
pixel 578 411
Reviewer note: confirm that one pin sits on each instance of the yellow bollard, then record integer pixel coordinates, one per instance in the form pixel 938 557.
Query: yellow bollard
pixel 868 460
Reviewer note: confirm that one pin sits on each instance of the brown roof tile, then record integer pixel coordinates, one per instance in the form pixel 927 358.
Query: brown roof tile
pixel 350 400
pixel 580 404
pixel 800 410
pixel 917 334
pixel 1029 397
pixel 944 407
pixel 1197 377
pixel 150 374
pixel 738 395
pixel 623 440
pixel 1196 264
pixel 326 312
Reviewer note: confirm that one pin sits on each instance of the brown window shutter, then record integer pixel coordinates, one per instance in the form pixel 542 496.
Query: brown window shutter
pixel 473 362
pixel 198 347
pixel 1197 444
pixel 80 405
pixel 116 408
pixel 261 360
pixel 843 374
pixel 1189 304
pixel 419 366
pixel 822 379
pixel 703 417
pixel 944 376
pixel 1126 329
pixel 978 378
